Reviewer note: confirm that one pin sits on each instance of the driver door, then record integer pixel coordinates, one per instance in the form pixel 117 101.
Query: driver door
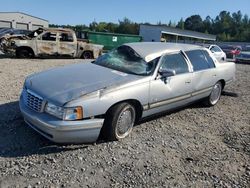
pixel 172 91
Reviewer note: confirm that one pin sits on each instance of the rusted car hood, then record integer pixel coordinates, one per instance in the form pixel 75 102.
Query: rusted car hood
pixel 63 84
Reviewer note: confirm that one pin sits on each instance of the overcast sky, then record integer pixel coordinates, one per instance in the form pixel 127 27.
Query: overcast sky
pixel 85 11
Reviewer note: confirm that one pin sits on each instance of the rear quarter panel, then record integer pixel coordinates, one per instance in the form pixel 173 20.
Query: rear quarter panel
pixel 226 71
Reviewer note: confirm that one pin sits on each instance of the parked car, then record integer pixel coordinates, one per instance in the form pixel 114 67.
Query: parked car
pixel 217 52
pixel 231 51
pixel 77 103
pixel 244 56
pixel 50 42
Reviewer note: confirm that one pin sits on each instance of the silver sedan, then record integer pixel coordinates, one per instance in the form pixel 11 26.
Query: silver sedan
pixel 80 102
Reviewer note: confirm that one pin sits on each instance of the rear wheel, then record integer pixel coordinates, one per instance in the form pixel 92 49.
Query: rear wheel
pixel 119 121
pixel 87 55
pixel 215 94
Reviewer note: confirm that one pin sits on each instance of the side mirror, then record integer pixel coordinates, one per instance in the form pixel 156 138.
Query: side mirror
pixel 167 72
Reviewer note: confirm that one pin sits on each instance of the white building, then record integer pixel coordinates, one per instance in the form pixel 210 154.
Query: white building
pixel 19 20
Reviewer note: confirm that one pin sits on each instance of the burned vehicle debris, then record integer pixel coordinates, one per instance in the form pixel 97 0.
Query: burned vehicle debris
pixel 49 42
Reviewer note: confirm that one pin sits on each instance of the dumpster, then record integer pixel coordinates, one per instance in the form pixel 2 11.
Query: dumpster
pixel 110 40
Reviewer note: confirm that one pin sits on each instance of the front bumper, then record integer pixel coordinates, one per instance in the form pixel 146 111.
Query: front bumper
pixel 59 131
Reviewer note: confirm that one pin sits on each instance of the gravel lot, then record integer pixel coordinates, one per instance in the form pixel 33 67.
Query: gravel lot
pixel 191 147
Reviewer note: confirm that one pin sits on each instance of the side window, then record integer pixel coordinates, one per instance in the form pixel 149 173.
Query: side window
pixel 215 49
pixel 66 37
pixel 198 60
pixel 175 62
pixel 49 36
pixel 210 61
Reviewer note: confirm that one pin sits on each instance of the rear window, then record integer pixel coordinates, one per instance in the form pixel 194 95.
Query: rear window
pixel 66 37
pixel 210 61
pixel 199 60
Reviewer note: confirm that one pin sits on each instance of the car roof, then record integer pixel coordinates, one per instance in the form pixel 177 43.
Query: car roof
pixel 151 50
pixel 56 29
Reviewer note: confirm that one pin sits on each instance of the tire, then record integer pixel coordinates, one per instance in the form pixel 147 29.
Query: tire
pixel 87 55
pixel 215 95
pixel 24 53
pixel 119 121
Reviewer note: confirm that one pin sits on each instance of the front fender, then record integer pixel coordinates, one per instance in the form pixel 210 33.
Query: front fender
pixel 97 103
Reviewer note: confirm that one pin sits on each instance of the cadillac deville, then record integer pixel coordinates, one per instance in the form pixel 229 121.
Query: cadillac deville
pixel 78 103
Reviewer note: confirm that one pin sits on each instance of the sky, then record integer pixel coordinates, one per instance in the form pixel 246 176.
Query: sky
pixel 76 12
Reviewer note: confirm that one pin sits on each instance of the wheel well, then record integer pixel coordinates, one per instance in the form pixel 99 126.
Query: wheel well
pixel 135 103
pixel 25 48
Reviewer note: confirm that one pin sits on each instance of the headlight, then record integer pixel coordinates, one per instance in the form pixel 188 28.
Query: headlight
pixel 73 113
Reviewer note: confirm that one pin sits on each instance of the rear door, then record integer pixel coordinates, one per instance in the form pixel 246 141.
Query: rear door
pixel 204 73
pixel 172 91
pixel 47 44
pixel 67 44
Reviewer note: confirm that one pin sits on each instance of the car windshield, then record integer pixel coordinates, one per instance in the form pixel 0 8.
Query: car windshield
pixel 125 59
pixel 35 33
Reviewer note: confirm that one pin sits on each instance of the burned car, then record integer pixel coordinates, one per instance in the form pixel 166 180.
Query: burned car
pixel 49 42
pixel 78 103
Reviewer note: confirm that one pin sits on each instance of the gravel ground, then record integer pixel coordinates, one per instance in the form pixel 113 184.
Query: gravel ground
pixel 191 147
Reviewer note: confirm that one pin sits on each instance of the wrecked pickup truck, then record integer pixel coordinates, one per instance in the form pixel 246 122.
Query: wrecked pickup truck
pixel 49 42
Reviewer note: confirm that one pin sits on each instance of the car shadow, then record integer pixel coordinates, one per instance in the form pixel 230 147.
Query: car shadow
pixel 17 139
pixel 229 94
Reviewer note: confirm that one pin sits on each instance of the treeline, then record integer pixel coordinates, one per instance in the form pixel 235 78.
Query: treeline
pixel 124 26
pixel 227 26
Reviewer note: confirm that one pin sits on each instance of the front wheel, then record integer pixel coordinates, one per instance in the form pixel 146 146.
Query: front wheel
pixel 215 94
pixel 24 53
pixel 119 121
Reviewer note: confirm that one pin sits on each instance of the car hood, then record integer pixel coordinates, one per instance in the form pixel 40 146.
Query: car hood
pixel 63 84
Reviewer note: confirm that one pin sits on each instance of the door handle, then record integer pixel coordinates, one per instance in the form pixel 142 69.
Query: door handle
pixel 214 75
pixel 188 81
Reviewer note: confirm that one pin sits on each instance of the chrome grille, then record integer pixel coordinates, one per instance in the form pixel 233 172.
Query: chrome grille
pixel 33 101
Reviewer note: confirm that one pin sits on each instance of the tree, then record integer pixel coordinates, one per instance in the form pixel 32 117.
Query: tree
pixel 180 24
pixel 127 27
pixel 207 24
pixel 194 23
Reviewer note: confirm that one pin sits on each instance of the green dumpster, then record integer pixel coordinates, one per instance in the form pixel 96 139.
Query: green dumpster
pixel 111 40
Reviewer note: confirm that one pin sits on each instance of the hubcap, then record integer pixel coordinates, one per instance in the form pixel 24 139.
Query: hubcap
pixel 215 94
pixel 125 122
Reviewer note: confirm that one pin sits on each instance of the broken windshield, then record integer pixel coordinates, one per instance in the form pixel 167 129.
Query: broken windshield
pixel 35 33
pixel 125 59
